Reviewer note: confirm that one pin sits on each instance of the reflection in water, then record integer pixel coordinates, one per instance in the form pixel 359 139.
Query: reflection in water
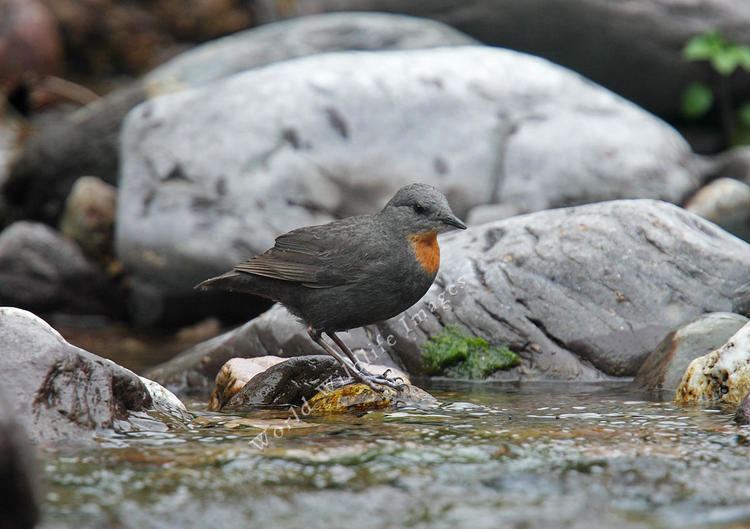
pixel 537 455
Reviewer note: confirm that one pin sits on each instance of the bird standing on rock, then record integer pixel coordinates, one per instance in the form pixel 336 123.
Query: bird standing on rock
pixel 352 272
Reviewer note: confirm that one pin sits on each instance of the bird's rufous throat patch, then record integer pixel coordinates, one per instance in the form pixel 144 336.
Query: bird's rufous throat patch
pixel 426 248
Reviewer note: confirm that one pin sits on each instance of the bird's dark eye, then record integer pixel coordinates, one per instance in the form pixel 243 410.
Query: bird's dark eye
pixel 419 208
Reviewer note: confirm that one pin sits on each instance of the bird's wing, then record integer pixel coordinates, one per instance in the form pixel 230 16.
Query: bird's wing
pixel 315 256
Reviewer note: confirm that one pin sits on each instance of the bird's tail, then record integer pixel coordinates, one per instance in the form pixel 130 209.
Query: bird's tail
pixel 228 281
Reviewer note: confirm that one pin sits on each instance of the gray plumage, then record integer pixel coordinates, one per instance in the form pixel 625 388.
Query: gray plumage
pixel 350 272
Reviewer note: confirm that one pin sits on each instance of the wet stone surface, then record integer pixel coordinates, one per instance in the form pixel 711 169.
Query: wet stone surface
pixel 490 455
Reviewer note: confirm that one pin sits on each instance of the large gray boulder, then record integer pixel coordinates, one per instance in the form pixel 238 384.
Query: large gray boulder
pixel 60 393
pixel 583 293
pixel 211 176
pixel 633 47
pixel 87 142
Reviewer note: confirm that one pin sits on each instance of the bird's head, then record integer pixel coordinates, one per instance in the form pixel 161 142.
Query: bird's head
pixel 422 208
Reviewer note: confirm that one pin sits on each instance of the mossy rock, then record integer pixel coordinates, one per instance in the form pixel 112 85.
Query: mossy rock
pixel 360 397
pixel 458 355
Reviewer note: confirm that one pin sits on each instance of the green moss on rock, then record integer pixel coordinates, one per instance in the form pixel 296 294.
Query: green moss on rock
pixel 458 355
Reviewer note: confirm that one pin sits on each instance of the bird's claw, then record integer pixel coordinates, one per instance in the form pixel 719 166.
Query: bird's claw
pixel 380 382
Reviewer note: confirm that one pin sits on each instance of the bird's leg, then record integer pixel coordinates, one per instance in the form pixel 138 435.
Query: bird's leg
pixel 363 374
pixel 350 368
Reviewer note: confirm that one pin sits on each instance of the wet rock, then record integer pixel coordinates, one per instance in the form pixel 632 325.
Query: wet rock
pixel 162 399
pixel 665 367
pixel 89 217
pixel 289 382
pixel 582 293
pixel 235 374
pixel 44 272
pixel 88 141
pixel 18 481
pixel 720 377
pixel 725 202
pixel 742 415
pixel 741 304
pixel 643 39
pixel 293 381
pixel 360 397
pixel 186 185
pixel 275 332
pixel 61 393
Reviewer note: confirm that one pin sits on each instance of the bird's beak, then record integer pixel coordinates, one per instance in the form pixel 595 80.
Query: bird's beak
pixel 454 221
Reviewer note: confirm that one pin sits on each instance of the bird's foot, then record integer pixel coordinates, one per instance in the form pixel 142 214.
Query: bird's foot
pixel 378 382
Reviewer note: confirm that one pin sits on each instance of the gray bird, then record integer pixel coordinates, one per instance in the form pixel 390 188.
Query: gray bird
pixel 351 272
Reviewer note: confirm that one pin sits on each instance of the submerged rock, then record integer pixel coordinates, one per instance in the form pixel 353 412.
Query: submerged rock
pixel 665 367
pixel 44 272
pixel 196 199
pixel 720 377
pixel 88 141
pixel 726 202
pixel 581 293
pixel 60 392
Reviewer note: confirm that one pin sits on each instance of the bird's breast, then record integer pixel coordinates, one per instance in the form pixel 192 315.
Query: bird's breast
pixel 427 251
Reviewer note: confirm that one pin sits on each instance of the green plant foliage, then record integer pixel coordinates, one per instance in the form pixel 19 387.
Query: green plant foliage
pixel 724 56
pixel 458 355
pixel 697 100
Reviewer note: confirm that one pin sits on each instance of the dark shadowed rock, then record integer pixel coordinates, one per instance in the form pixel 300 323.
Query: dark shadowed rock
pixel 85 142
pixel 742 415
pixel 44 272
pixel 725 202
pixel 289 382
pixel 59 392
pixel 664 368
pixel 633 47
pixel 235 374
pixel 742 300
pixel 581 294
pixel 88 141
pixel 18 480
pixel 196 198
pixel 276 333
pixel 734 163
pixel 116 37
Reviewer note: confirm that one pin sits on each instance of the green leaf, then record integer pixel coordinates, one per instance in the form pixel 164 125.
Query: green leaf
pixel 697 99
pixel 726 61
pixel 743 115
pixel 743 53
pixel 703 47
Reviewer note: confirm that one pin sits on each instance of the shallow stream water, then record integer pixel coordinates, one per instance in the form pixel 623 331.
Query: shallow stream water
pixel 491 455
